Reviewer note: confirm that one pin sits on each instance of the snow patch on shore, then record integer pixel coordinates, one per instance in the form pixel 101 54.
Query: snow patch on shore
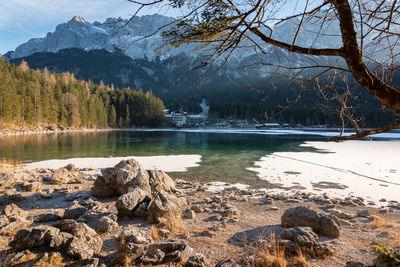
pixel 362 168
pixel 171 163
pixel 221 186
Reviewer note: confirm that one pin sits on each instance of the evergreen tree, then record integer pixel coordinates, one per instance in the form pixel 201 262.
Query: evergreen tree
pixel 33 98
pixel 112 119
pixel 127 118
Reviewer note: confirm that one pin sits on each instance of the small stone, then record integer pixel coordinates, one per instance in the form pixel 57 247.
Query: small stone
pixel 197 208
pixel 355 264
pixel 154 257
pixel 129 202
pixel 136 235
pixel 197 260
pixel 32 187
pixel 189 214
pixel 72 197
pixel 4 220
pixel 22 258
pixel 231 212
pixel 49 217
pixel 106 224
pixel 268 201
pixel 340 214
pixel 227 263
pixel 74 211
pixel 209 233
pixel 70 167
pixel 13 210
pixel 14 226
pixel 163 204
pixel 46 196
pixel 363 213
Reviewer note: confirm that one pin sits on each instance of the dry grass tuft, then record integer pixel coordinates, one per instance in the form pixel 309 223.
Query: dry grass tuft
pixel 173 223
pixel 170 225
pixel 378 223
pixel 300 260
pixel 122 242
pixel 8 166
pixel 25 259
pixel 54 261
pixel 154 233
pixel 397 238
pixel 122 259
pixel 270 255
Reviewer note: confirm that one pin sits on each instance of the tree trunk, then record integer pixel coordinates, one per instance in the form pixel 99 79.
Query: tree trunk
pixel 387 95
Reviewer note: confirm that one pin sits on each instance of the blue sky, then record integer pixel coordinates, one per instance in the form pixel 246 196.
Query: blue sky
pixel 21 20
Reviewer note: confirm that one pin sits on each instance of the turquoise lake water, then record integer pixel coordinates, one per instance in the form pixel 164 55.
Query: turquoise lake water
pixel 225 156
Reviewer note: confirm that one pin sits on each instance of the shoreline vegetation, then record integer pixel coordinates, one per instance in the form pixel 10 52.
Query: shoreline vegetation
pixel 129 216
pixel 53 129
pixel 33 98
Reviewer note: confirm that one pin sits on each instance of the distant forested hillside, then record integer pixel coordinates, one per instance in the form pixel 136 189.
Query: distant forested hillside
pixel 31 98
pixel 172 80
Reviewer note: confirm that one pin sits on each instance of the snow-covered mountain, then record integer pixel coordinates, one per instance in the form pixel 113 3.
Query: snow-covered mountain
pixel 140 37
pixel 114 33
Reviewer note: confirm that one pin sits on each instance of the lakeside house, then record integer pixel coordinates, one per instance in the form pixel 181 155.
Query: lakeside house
pixel 183 119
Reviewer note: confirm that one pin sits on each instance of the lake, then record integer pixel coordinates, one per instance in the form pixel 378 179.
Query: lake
pixel 290 159
pixel 225 156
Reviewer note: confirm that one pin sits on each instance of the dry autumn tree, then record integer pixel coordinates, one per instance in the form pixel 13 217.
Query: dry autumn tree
pixel 361 44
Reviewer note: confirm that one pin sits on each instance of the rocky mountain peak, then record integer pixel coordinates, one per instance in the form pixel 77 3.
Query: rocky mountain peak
pixel 78 19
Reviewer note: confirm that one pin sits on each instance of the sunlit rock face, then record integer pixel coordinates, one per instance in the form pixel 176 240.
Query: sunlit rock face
pixel 114 33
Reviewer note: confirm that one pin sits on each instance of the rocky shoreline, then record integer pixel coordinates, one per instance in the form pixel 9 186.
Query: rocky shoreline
pixel 129 216
pixel 51 130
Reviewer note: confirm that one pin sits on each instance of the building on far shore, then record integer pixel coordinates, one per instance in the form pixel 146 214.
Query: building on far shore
pixel 179 118
pixel 183 119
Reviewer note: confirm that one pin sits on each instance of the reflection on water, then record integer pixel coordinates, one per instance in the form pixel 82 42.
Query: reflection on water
pixel 224 156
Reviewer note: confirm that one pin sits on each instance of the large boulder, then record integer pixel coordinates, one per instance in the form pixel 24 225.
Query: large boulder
pixel 86 241
pixel 304 216
pixel 160 181
pixel 34 237
pixel 162 205
pixel 124 177
pixel 129 202
pixel 80 242
pixel 128 175
pixel 63 176
pixel 103 189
